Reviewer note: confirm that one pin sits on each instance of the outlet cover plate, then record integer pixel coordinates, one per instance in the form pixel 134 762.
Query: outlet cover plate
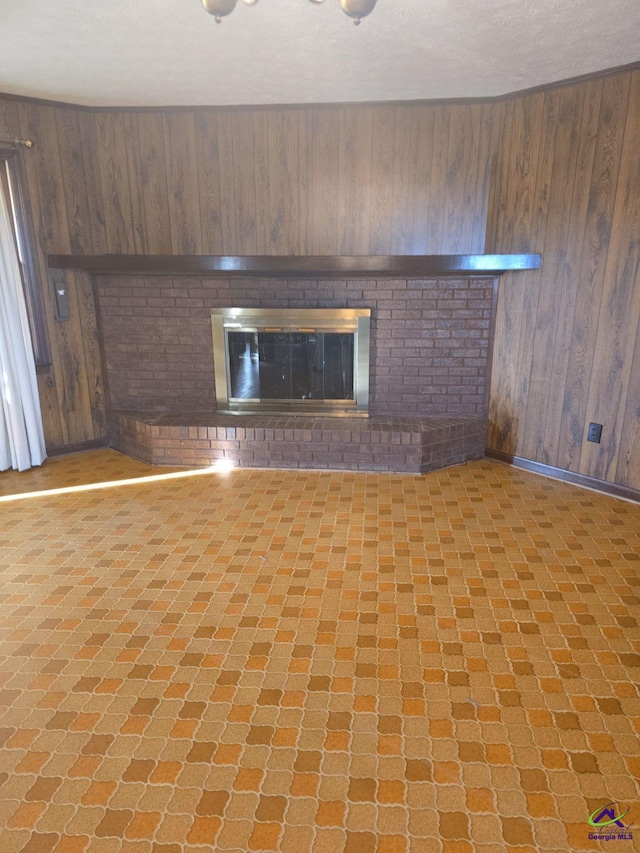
pixel 594 433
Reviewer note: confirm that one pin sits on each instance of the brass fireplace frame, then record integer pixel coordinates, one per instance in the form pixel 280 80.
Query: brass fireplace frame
pixel 330 320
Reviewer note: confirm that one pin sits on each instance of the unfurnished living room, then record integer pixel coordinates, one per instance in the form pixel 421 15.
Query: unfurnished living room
pixel 319 426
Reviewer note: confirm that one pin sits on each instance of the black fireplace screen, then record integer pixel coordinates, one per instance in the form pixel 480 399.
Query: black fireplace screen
pixel 290 365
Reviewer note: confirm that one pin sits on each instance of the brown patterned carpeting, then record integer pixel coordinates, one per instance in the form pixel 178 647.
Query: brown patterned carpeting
pixel 302 661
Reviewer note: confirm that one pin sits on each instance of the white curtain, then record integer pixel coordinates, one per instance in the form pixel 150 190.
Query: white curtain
pixel 21 434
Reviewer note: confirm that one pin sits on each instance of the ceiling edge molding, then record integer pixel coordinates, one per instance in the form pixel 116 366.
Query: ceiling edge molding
pixel 489 99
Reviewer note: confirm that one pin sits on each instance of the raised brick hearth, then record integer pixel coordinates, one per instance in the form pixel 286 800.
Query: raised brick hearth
pixel 409 445
pixel 428 373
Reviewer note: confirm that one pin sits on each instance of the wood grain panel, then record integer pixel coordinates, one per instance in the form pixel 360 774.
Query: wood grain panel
pixel 400 213
pixel 9 119
pixel 603 184
pixel 490 121
pixel 437 228
pixel 230 240
pixel 114 173
pixel 282 169
pixel 93 181
pixel 324 194
pixel 566 348
pixel 265 218
pixel 462 168
pixel 573 287
pixel 44 175
pixel 555 206
pixel 151 175
pixel 419 194
pixel 210 195
pixel 244 181
pixel 182 178
pixel 354 180
pixel 628 470
pixel 74 185
pixel 523 128
pixel 619 310
pixel 81 404
pixel 383 164
pixel 305 182
pixel 93 364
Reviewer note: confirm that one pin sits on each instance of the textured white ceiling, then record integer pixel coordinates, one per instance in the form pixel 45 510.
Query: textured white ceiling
pixel 171 52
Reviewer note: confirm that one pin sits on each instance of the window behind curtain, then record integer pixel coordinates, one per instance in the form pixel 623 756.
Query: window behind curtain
pixel 12 188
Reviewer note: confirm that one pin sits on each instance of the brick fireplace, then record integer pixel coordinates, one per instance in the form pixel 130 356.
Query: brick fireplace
pixel 429 362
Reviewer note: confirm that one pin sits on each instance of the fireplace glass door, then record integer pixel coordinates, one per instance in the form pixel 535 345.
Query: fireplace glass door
pixel 290 366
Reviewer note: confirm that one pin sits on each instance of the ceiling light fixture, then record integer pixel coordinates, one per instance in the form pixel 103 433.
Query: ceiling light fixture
pixel 356 9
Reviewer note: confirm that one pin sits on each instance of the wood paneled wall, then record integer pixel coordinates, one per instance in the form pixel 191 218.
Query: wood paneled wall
pixel 567 346
pixel 357 180
pixel 325 181
pixel 71 389
pixel 554 172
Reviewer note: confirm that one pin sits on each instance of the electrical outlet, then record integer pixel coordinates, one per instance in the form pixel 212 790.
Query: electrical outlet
pixel 594 433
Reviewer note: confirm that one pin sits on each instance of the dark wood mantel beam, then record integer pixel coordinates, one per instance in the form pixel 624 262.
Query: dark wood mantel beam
pixel 325 266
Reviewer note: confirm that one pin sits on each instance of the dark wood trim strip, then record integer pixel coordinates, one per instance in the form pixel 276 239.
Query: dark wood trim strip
pixel 425 102
pixel 78 447
pixel 629 68
pixel 566 476
pixel 492 337
pixel 420 266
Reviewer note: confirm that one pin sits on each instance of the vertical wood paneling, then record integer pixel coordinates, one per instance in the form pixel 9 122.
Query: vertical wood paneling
pixel 244 181
pixel 354 180
pixel 282 170
pixel 400 211
pixel 9 119
pixel 74 184
pixel 114 174
pixel 305 182
pixel 619 309
pixel 438 180
pixel 136 198
pixel 516 303
pixel 182 177
pixel 556 200
pixel 383 164
pixel 80 403
pixel 603 186
pixel 93 182
pixel 45 176
pixel 265 218
pixel 573 288
pixel 324 189
pixel 489 119
pixel 628 470
pixel 93 373
pixel 419 194
pixel 231 243
pixel 210 196
pixel 462 168
pixel 151 176
pixel 566 349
